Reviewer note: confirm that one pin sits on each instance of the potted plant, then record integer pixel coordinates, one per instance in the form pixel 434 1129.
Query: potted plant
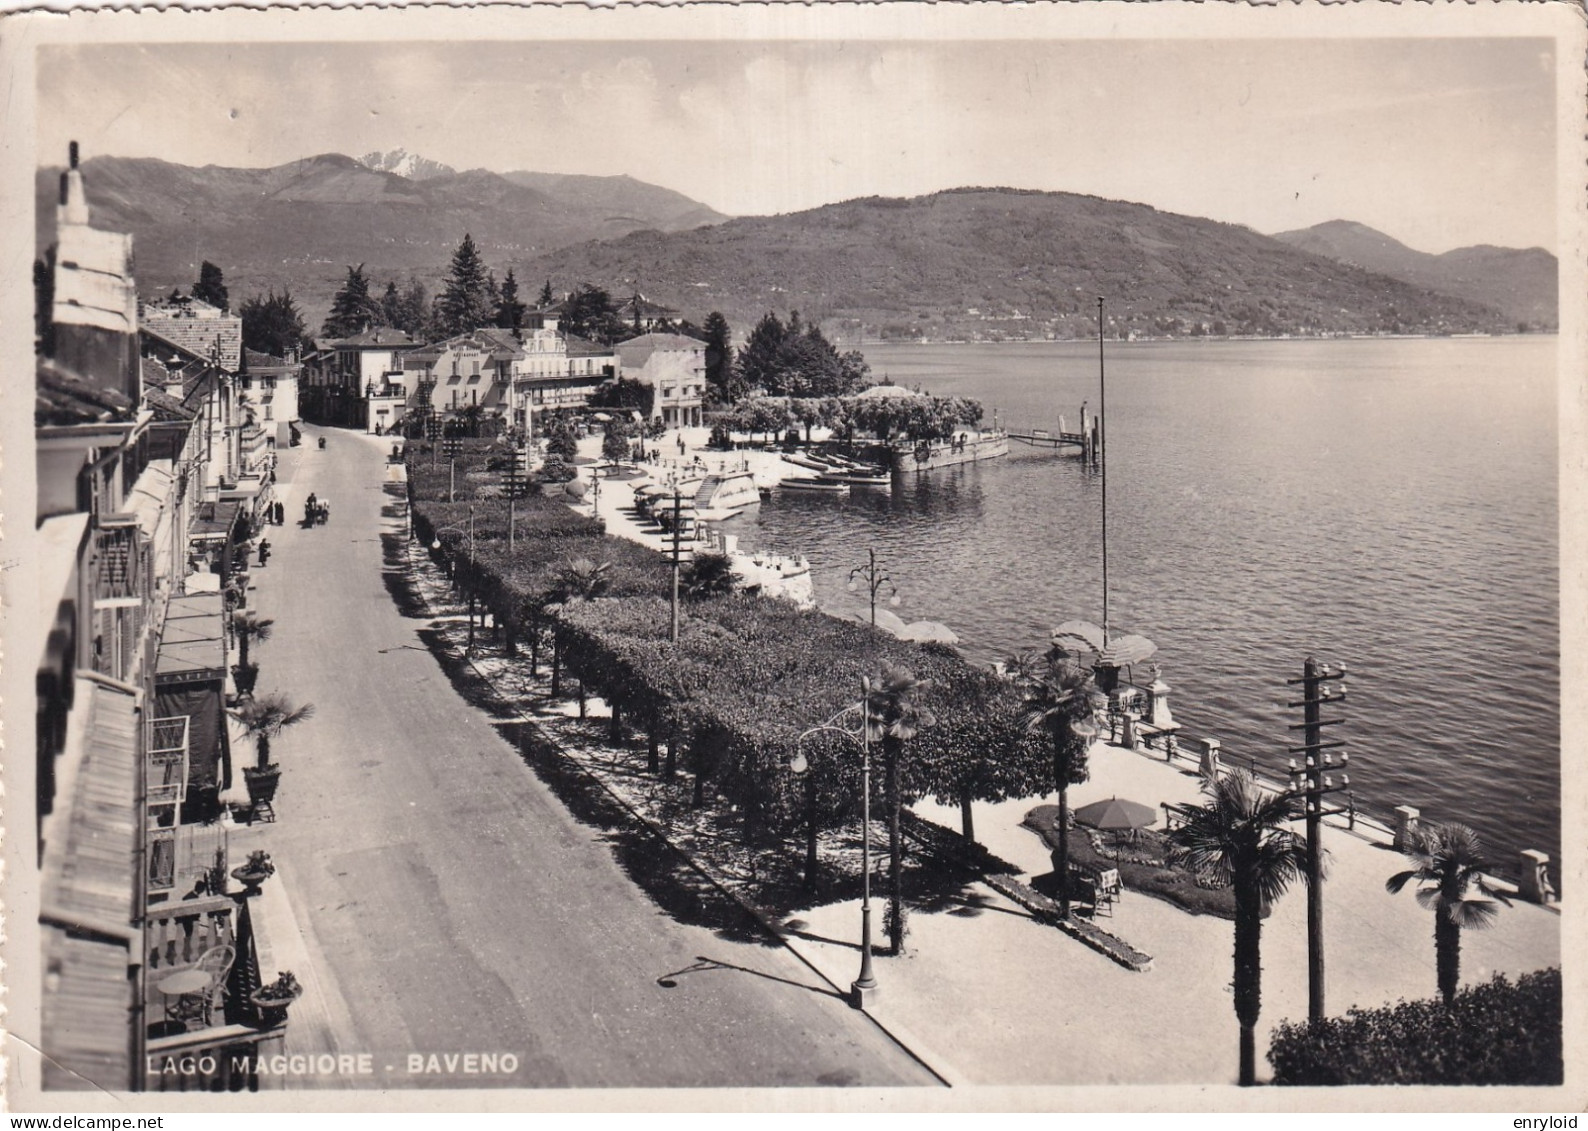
pixel 248 628
pixel 273 999
pixel 263 719
pixel 255 872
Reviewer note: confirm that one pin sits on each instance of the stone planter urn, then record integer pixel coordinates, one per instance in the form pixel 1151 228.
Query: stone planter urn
pixel 273 1000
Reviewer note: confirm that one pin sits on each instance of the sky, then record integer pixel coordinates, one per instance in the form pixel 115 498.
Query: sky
pixel 1439 143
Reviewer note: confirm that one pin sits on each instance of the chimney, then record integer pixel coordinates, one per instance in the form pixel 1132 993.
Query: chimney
pixel 73 207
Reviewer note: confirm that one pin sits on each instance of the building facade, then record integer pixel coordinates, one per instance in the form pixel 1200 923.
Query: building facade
pixel 675 366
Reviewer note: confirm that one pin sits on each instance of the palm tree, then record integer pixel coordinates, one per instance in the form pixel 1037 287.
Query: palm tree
pixel 1239 836
pixel 1449 864
pixel 708 575
pixel 266 717
pixel 249 627
pixel 894 715
pixel 1062 702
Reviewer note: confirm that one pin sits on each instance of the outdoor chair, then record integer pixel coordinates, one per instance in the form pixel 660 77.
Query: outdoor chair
pixel 191 998
pixel 1109 888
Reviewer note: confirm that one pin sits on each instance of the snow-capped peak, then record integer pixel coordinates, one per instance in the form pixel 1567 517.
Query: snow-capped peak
pixel 405 164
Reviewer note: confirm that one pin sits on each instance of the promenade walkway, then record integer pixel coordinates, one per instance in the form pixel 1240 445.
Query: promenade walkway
pixel 994 997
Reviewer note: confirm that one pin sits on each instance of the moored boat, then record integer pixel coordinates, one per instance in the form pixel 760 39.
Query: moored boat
pixel 822 484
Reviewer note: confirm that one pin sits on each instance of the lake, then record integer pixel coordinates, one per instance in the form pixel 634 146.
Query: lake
pixel 1386 504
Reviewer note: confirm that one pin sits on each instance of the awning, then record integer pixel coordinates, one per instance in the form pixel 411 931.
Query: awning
pixel 215 521
pixel 192 645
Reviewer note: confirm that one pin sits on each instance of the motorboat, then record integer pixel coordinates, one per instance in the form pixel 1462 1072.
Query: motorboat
pixel 831 486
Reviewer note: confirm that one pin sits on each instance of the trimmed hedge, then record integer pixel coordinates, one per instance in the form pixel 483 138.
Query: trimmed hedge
pixel 1498 1032
pixel 747 676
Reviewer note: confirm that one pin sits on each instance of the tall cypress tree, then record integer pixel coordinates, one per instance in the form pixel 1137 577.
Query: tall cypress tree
pixel 720 379
pixel 465 303
pixel 546 297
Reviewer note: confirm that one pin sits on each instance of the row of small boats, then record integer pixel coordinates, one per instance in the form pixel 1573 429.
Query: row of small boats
pixel 835 474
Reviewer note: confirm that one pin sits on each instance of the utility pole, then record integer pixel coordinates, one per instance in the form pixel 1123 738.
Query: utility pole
pixel 678 510
pixel 1309 783
pixel 470 647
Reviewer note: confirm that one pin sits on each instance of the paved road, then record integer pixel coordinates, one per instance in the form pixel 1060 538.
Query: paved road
pixel 452 903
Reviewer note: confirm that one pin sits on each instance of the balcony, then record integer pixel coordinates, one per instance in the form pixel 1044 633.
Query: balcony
pixel 202 1031
pixel 168 744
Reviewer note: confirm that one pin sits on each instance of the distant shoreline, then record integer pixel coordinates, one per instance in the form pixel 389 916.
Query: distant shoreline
pixel 1205 338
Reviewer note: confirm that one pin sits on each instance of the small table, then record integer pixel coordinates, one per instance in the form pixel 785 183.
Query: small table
pixel 189 981
pixel 187 993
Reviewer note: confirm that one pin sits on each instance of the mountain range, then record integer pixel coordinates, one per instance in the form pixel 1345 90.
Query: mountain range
pixel 965 263
pixel 1523 284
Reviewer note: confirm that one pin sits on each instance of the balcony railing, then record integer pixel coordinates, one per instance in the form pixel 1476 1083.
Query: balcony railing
pixel 168 750
pixel 206 1038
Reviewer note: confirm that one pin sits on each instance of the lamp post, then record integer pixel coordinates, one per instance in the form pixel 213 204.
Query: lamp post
pixel 1309 783
pixel 436 545
pixel 863 991
pixel 875 581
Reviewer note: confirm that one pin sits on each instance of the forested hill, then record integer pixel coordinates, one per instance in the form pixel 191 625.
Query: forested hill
pixel 300 225
pixel 1523 283
pixel 1002 263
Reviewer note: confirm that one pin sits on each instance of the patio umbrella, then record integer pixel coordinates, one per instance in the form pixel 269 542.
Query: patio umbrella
pixel 1116 813
pixel 927 632
pixel 1124 650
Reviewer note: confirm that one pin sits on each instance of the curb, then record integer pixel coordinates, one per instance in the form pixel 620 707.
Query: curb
pixel 916 1049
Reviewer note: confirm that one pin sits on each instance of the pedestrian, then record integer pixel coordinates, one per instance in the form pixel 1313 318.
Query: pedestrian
pixel 680 441
pixel 308 512
pixel 281 514
pixel 325 510
pixel 264 551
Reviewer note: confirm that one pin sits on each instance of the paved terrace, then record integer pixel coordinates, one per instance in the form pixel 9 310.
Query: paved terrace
pixel 994 997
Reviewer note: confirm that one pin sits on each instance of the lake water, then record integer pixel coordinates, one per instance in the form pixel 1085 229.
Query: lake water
pixel 1387 504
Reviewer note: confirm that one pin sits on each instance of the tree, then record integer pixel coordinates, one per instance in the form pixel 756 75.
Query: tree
pixel 509 310
pixel 1239 836
pixel 407 309
pixel 1061 702
pixel 894 715
pixel 979 751
pixel 615 444
pixel 211 287
pixel 1450 865
pixel 546 297
pixel 560 440
pixel 708 575
pixel 722 384
pixel 757 365
pixel 465 303
pixel 248 628
pixel 625 394
pixel 589 313
pixel 264 718
pixel 273 324
pixel 352 309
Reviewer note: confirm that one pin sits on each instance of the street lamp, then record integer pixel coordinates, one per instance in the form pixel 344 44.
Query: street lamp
pixel 875 581
pixel 863 990
pixel 436 545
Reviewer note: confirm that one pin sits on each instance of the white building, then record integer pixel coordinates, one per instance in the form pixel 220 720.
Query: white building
pixel 675 366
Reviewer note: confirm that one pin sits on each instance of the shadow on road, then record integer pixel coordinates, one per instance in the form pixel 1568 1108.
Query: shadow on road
pixel 395 576
pixel 658 869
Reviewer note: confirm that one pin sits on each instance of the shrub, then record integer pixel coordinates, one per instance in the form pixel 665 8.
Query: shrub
pixel 1498 1032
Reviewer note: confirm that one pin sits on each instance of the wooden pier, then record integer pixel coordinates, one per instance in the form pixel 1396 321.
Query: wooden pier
pixel 1088 442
